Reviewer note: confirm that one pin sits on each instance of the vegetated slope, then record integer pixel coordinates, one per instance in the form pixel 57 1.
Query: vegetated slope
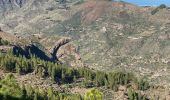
pixel 128 37
pixel 107 34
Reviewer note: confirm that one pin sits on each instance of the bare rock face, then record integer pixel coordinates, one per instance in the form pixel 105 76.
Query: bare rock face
pixel 66 52
pixel 69 54
pixel 57 46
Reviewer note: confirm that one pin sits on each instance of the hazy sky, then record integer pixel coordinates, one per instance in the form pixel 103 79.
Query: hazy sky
pixel 149 2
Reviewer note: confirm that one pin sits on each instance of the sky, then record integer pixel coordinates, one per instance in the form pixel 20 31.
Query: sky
pixel 149 2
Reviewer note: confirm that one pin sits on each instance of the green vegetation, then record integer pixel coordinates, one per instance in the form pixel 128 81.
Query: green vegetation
pixel 93 94
pixel 143 84
pixel 162 6
pixel 10 90
pixel 132 95
pixel 3 42
pixel 63 75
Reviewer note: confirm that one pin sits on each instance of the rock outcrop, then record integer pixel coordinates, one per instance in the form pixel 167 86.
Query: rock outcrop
pixel 61 49
pixel 55 49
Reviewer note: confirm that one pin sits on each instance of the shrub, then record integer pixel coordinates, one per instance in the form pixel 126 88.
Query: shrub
pixel 132 95
pixel 162 6
pixel 93 94
pixel 143 84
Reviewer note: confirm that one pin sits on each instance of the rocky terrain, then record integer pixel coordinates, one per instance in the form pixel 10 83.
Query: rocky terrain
pixel 101 35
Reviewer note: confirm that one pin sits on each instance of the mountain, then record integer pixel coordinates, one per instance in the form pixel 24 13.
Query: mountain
pixel 103 35
pixel 106 34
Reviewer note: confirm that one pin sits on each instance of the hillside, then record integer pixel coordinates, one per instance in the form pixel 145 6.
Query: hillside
pixel 117 34
pixel 99 35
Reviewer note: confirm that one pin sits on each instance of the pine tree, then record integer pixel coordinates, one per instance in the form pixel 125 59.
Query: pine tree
pixel 63 78
pixel 50 93
pixel 130 94
pixel 53 75
pixel 18 69
pixel 74 78
pixel 30 91
pixel 100 78
pixel 35 96
pixel 24 93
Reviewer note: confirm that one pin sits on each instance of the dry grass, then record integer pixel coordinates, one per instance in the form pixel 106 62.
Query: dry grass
pixel 8 37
